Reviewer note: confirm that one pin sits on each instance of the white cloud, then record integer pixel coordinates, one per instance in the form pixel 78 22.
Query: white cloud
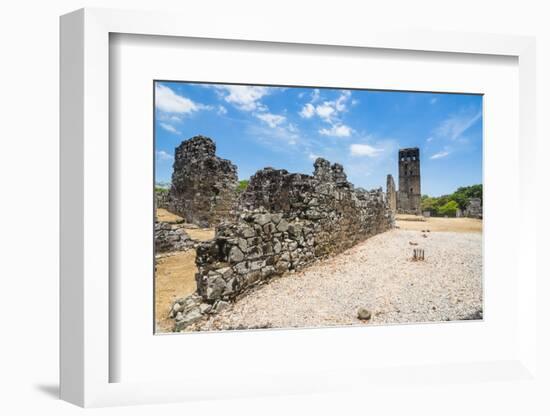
pixel 456 124
pixel 308 111
pixel 315 95
pixel 440 155
pixel 292 128
pixel 168 117
pixel 162 155
pixel 222 110
pixel 246 98
pixel 358 149
pixel 429 139
pixel 340 103
pixel 168 101
pixel 340 130
pixel 312 156
pixel 169 128
pixel 328 111
pixel 272 120
pixel 278 131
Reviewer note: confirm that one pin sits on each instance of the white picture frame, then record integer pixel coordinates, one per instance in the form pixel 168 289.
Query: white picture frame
pixel 86 356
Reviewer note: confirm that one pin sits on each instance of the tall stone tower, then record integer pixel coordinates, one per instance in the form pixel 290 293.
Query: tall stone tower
pixel 408 198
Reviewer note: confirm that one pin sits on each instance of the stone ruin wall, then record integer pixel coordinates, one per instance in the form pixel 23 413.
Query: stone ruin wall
pixel 288 221
pixel 161 199
pixel 171 237
pixel 391 193
pixel 281 223
pixel 204 186
pixel 474 208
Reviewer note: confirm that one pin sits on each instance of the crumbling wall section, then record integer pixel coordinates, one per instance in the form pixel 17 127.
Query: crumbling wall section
pixel 161 198
pixel 288 222
pixel 204 186
pixel 171 237
pixel 474 208
pixel 391 193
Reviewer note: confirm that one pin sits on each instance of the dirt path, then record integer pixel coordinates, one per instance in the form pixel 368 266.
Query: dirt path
pixel 175 272
pixel 163 215
pixel 459 225
pixel 376 274
pixel 174 279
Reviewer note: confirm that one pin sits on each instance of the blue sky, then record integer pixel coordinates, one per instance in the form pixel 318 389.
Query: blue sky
pixel 288 127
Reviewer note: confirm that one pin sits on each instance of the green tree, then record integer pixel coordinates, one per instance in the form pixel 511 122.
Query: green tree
pixel 448 209
pixel 464 193
pixel 429 203
pixel 440 205
pixel 243 184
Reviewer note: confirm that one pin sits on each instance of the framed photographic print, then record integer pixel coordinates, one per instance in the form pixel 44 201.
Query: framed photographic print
pixel 290 212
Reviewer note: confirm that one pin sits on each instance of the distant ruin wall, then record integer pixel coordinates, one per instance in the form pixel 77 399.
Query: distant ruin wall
pixel 171 237
pixel 288 221
pixel 474 208
pixel 203 185
pixel 161 198
pixel 391 193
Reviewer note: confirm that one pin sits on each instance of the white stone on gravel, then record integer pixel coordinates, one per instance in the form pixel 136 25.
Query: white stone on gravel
pixel 363 314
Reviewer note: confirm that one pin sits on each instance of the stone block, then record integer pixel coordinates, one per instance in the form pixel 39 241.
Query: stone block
pixel 235 255
pixel 282 226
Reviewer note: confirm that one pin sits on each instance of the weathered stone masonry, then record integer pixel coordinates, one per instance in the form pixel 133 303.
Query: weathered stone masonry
pixel 171 237
pixel 203 185
pixel 161 198
pixel 391 193
pixel 287 221
pixel 281 223
pixel 473 209
pixel 409 195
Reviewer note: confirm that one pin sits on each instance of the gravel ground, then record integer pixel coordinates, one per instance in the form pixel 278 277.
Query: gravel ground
pixel 377 274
